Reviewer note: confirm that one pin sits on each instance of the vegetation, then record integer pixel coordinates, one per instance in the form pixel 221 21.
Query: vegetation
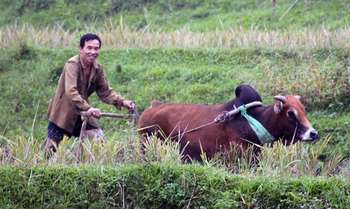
pixel 205 76
pixel 298 160
pixel 168 15
pixel 162 186
pixel 122 36
pixel 175 51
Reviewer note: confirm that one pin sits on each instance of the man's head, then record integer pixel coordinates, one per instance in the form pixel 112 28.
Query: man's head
pixel 90 45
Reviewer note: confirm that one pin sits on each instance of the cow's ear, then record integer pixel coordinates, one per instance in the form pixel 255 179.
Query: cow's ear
pixel 278 107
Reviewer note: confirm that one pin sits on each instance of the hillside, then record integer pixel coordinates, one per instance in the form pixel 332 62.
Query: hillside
pixel 169 15
pixel 29 75
pixel 186 51
pixel 151 48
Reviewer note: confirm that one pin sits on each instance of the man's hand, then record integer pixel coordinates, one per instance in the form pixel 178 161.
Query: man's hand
pixel 129 104
pixel 95 112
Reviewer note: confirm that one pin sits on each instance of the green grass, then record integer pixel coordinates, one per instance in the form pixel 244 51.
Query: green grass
pixel 162 186
pixel 336 125
pixel 28 77
pixel 150 52
pixel 169 15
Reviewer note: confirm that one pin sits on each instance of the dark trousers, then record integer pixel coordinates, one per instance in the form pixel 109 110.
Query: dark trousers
pixel 56 133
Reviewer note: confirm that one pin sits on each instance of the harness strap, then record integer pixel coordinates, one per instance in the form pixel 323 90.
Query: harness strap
pixel 263 134
pixel 195 129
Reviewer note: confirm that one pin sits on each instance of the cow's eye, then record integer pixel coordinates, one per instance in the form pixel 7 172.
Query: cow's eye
pixel 291 115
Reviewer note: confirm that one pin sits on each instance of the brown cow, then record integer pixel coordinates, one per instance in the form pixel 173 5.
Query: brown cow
pixel 286 119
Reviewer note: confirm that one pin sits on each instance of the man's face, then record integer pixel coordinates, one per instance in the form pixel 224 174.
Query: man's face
pixel 90 51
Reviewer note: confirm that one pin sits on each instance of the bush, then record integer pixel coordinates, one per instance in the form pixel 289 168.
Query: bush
pixel 20 52
pixel 162 186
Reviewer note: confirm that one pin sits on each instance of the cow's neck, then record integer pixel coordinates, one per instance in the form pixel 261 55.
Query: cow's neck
pixel 266 116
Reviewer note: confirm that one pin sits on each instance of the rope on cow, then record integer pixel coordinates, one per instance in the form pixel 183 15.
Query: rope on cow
pixel 196 129
pixel 222 117
pixel 263 134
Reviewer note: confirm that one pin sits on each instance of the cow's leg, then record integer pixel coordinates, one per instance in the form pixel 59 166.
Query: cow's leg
pixel 190 151
pixel 255 158
pixel 146 134
pixel 143 141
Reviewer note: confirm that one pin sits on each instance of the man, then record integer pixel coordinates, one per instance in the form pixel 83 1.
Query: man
pixel 81 76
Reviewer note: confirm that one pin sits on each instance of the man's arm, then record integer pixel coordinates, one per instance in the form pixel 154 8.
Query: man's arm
pixel 71 90
pixel 105 93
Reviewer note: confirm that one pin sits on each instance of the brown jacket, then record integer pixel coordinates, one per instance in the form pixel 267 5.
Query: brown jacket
pixel 73 91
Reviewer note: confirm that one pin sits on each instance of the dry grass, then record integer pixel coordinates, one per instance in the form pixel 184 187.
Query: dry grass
pixel 296 160
pixel 318 87
pixel 279 160
pixel 123 37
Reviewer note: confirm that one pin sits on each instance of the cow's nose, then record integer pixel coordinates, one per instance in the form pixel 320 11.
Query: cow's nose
pixel 314 135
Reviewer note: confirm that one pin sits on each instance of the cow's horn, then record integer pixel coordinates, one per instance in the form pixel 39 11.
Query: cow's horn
pixel 281 98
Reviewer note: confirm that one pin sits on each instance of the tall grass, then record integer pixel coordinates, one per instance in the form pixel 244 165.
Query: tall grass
pixel 318 86
pixel 121 36
pixel 275 161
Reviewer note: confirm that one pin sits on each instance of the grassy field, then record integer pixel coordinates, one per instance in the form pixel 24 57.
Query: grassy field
pixel 180 51
pixel 183 75
pixel 169 15
pixel 187 51
pixel 163 186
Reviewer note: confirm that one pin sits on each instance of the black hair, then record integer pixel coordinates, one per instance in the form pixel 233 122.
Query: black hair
pixel 88 37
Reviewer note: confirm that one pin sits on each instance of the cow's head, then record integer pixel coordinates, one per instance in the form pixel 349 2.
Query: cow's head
pixel 293 122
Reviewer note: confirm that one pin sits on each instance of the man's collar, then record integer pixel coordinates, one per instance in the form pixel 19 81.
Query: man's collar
pixel 95 65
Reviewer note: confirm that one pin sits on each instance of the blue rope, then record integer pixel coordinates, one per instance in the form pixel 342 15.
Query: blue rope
pixel 263 135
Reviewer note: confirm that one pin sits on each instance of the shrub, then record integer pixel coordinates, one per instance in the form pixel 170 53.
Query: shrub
pixel 162 186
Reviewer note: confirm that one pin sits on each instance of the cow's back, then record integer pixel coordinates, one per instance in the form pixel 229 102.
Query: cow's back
pixel 176 117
